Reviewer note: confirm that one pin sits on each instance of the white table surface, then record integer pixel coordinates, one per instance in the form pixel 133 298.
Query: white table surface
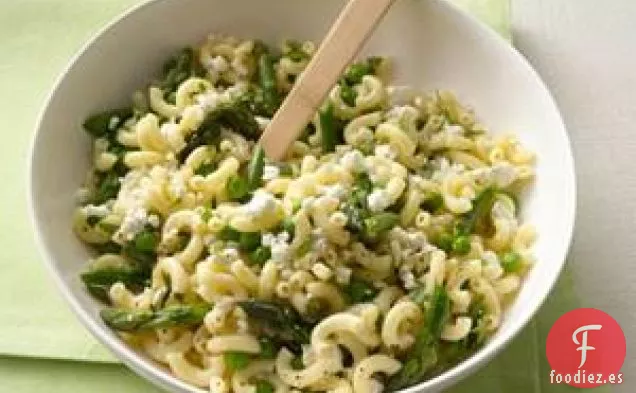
pixel 585 50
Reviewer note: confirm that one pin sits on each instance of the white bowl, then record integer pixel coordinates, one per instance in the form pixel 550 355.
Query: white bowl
pixel 434 45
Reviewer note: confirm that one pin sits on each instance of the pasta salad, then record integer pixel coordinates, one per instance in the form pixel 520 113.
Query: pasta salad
pixel 379 253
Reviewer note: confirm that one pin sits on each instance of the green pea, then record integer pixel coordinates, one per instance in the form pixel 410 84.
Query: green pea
pixel 205 169
pixel 146 242
pixel 261 255
pixel 268 348
pixel 348 95
pixel 249 241
pixel 360 291
pixel 263 386
pixel 289 226
pixel 237 188
pixel 107 188
pixel 511 262
pixel 229 234
pixel 236 360
pixel 445 242
pixel 461 245
pixel 433 202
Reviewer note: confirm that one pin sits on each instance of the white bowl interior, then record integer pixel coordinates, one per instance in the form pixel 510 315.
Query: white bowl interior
pixel 433 46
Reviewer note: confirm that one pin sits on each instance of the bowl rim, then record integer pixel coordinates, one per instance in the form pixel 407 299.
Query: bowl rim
pixel 153 373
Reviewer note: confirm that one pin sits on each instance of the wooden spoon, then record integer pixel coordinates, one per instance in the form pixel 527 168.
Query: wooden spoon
pixel 343 41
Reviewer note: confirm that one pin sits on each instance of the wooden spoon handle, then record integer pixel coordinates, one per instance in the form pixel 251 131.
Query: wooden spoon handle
pixel 343 41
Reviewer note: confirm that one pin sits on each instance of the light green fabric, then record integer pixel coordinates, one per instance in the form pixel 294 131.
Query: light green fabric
pixel 37 38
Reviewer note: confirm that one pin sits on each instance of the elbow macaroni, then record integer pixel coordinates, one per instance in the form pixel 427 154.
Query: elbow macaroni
pixel 300 233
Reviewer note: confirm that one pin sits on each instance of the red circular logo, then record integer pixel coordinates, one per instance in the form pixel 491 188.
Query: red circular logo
pixel 586 348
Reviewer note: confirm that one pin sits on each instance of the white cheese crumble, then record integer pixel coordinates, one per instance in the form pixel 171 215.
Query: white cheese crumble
pixel 343 275
pixel 308 203
pixel 217 64
pixel 153 220
pixel 454 130
pixel 134 222
pixel 321 271
pixel 113 122
pixel 503 174
pixel 178 187
pixel 96 211
pixel 386 151
pixel 278 244
pixel 353 161
pixel 408 279
pixel 337 191
pixel 263 122
pixel 229 255
pixel 378 200
pixel 209 100
pixel 260 203
pixel 270 172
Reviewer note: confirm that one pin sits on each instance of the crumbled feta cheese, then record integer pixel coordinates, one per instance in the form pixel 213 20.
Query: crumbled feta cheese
pixel 278 244
pixel 492 269
pixel 270 172
pixel 378 200
pixel 308 203
pixel 113 122
pixel 454 129
pixel 337 191
pixel 503 174
pixel 217 64
pixel 386 151
pixel 260 203
pixel 209 100
pixel 229 255
pixel 321 271
pixel 408 279
pixel 96 211
pixel 134 222
pixel 177 185
pixel 153 220
pixel 353 161
pixel 263 122
pixel 343 275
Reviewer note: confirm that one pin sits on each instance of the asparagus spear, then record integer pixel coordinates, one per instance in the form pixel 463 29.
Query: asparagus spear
pixel 378 224
pixel 99 280
pixel 255 168
pixel 424 354
pixel 267 80
pixel 234 116
pixel 478 219
pixel 101 124
pixel 180 67
pixel 280 322
pixel 135 320
pixel 328 136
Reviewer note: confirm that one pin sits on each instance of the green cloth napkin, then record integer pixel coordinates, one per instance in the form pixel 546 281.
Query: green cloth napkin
pixel 37 331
